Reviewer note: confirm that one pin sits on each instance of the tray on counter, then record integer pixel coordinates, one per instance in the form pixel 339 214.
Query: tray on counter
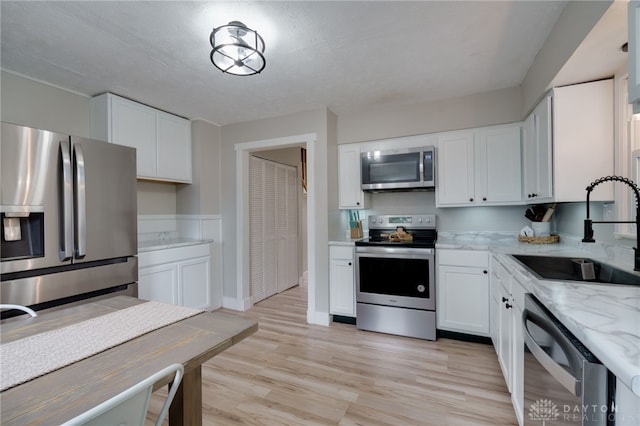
pixel 551 239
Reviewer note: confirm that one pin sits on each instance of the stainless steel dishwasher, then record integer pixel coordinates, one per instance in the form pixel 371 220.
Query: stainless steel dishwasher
pixel 564 383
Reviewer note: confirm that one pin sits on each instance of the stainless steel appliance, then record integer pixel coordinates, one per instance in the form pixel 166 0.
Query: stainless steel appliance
pixel 395 276
pixel 564 383
pixel 69 225
pixel 398 169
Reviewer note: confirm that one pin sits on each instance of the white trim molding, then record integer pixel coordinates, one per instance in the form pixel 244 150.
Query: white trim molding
pixel 243 151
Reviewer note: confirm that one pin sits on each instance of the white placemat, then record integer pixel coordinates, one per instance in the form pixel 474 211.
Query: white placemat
pixel 25 359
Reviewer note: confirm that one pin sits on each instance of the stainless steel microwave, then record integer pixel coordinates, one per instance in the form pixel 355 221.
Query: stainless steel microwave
pixel 398 169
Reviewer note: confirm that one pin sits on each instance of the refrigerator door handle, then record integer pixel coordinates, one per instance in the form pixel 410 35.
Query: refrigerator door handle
pixel 66 250
pixel 80 203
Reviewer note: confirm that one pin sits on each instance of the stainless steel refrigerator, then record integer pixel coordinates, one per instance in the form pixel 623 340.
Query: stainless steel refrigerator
pixel 69 218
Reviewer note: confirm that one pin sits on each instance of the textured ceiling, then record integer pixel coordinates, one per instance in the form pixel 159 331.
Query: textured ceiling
pixel 346 56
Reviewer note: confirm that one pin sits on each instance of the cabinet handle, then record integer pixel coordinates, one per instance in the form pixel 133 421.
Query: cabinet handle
pixel 485 272
pixel 508 306
pixel 504 299
pixel 357 203
pixel 484 198
pixel 471 200
pixel 349 263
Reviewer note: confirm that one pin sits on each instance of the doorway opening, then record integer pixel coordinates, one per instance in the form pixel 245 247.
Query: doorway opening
pixel 243 156
pixel 277 234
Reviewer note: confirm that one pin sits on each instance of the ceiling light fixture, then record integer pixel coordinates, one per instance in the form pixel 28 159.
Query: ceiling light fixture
pixel 237 49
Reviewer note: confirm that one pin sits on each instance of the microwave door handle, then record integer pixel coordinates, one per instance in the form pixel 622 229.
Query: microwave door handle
pixel 66 251
pixel 80 203
pixel 566 379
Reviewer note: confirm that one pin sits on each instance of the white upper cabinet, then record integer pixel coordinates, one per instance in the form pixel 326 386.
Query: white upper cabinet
pixel 583 135
pixel 569 144
pixel 350 194
pixel 455 171
pixel 537 159
pixel 634 55
pixel 498 172
pixel 479 167
pixel 162 140
pixel 174 147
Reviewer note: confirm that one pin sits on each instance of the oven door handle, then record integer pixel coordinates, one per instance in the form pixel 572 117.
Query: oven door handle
pixel 399 254
pixel 566 379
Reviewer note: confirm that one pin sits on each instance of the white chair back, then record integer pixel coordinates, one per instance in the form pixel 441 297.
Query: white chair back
pixel 20 308
pixel 129 408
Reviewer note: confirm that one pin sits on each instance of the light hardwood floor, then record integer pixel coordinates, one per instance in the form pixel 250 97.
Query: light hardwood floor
pixel 292 373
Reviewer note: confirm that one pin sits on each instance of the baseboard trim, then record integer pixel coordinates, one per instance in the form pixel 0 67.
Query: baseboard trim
pixel 319 318
pixel 463 336
pixel 235 304
pixel 344 320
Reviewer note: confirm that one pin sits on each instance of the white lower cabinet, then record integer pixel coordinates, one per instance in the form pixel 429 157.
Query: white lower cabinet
pixel 627 406
pixel 507 297
pixel 342 289
pixel 159 283
pixel 179 276
pixel 517 348
pixel 463 291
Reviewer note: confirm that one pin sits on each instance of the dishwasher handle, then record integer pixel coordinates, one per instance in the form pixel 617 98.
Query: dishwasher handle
pixel 566 379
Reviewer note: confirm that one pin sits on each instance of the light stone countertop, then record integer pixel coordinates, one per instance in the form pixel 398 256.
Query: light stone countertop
pixel 345 241
pixel 604 317
pixel 162 244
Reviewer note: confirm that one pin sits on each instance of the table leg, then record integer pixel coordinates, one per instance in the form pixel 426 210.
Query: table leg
pixel 186 408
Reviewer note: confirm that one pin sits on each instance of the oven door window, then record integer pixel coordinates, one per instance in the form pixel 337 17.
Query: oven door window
pixel 394 276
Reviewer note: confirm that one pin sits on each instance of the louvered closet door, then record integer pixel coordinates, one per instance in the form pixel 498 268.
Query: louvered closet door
pixel 256 234
pixel 289 276
pixel 281 205
pixel 270 230
pixel 274 228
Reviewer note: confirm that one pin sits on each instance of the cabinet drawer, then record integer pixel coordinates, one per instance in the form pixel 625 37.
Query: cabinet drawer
pixel 475 258
pixel 341 252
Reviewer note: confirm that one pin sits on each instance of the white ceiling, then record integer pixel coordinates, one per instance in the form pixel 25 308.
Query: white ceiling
pixel 346 56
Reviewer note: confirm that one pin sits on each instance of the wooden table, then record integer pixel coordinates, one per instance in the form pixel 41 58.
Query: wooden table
pixel 65 393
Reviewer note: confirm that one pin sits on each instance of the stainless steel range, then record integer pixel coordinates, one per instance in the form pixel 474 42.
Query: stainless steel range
pixel 395 275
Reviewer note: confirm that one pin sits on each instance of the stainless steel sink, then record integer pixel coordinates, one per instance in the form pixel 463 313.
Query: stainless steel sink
pixel 575 269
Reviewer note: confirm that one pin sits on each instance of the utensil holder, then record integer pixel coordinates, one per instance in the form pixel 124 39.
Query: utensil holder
pixel 357 231
pixel 541 229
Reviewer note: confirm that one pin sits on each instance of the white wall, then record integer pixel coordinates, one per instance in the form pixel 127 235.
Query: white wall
pixel 202 196
pixel 43 106
pixel 34 104
pixel 574 23
pixel 483 109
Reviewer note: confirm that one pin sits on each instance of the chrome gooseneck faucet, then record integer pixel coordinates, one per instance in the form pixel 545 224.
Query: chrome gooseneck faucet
pixel 588 223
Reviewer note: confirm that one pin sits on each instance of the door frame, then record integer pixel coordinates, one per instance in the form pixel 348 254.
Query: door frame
pixel 243 271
